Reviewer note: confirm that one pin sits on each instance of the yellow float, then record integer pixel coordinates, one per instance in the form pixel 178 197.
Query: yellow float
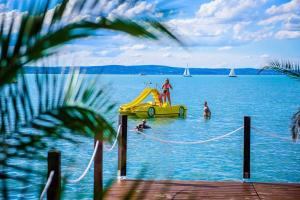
pixel 153 108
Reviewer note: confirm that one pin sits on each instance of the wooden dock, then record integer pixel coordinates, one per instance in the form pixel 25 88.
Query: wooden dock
pixel 141 189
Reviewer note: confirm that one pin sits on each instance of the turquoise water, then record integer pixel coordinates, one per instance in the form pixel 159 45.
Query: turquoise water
pixel 269 100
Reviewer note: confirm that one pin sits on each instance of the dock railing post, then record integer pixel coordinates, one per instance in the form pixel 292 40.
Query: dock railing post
pixel 122 147
pixel 54 164
pixel 98 167
pixel 247 130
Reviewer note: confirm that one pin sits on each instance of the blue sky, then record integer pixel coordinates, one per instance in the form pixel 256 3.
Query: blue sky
pixel 219 33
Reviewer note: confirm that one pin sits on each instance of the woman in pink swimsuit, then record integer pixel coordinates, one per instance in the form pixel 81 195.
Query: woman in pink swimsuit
pixel 166 90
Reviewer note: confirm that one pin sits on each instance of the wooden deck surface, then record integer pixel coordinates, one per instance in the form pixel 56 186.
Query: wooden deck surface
pixel 201 190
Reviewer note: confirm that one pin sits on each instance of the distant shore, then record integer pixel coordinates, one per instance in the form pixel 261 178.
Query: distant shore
pixel 146 70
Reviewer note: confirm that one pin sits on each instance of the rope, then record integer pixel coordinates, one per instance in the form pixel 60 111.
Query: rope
pixel 88 167
pixel 115 142
pixel 271 134
pixel 47 184
pixel 191 142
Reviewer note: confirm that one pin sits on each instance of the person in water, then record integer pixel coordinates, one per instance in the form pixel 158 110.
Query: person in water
pixel 142 126
pixel 206 111
pixel 166 90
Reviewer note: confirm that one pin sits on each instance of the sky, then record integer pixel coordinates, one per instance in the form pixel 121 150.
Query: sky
pixel 218 33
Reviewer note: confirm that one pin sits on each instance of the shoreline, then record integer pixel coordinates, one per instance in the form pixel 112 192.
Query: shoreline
pixel 146 70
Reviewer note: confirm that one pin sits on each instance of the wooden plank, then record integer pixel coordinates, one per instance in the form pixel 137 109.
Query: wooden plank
pixel 149 189
pixel 277 191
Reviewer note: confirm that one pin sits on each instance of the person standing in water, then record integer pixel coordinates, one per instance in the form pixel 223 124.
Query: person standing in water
pixel 166 90
pixel 206 111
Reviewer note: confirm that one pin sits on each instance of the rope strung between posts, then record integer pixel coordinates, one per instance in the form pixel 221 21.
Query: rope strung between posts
pixel 270 134
pixel 191 142
pixel 115 142
pixel 88 167
pixel 47 184
pixel 93 156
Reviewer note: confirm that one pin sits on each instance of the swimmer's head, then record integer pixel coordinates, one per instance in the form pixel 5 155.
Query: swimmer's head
pixel 144 121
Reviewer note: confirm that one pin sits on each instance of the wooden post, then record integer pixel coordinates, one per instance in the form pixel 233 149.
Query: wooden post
pixel 122 146
pixel 247 129
pixel 98 169
pixel 54 163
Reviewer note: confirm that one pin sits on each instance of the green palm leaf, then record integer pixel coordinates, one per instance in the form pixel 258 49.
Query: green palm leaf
pixel 284 67
pixel 44 106
pixel 295 125
pixel 290 69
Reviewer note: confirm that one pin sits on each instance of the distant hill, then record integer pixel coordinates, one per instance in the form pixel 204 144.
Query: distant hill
pixel 148 70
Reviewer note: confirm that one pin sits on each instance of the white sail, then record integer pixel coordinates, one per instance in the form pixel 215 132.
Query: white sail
pixel 186 72
pixel 232 74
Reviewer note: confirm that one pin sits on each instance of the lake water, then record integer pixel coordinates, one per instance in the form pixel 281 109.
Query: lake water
pixel 269 100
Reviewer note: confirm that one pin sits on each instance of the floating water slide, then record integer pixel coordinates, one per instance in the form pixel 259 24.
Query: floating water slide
pixel 143 95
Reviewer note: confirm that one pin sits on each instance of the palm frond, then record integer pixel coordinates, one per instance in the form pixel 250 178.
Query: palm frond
pixel 295 128
pixel 46 98
pixel 43 107
pixel 290 69
pixel 284 67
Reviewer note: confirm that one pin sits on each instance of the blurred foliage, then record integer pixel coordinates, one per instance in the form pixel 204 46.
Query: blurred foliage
pixel 284 67
pixel 296 125
pixel 290 69
pixel 45 107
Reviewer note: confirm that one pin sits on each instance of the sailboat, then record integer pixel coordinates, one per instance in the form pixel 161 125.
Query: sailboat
pixel 231 73
pixel 186 72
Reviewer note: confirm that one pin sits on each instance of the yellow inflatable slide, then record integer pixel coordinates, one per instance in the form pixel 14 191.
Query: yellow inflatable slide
pixel 152 109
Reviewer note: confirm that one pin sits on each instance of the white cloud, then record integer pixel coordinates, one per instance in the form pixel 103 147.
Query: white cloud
pixel 127 10
pixel 134 47
pixel 167 55
pixel 136 55
pixel 222 23
pixel 292 6
pixel 285 19
pixel 265 56
pixel 225 48
pixel 222 10
pixel 285 34
pixel 137 61
pixel 235 22
pixel 104 52
pixel 198 32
